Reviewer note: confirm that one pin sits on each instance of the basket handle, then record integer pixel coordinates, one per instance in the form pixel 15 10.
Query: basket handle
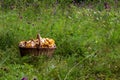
pixel 38 37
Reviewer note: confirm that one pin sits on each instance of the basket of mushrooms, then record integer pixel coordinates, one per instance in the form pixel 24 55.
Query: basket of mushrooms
pixel 39 46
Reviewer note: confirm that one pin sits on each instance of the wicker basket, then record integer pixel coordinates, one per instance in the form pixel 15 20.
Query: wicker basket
pixel 37 51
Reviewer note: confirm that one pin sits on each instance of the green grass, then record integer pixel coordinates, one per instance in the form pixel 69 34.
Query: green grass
pixel 87 40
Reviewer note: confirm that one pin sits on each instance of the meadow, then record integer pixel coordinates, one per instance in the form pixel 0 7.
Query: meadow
pixel 87 40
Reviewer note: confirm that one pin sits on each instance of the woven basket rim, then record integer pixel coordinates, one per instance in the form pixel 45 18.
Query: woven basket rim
pixel 37 47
